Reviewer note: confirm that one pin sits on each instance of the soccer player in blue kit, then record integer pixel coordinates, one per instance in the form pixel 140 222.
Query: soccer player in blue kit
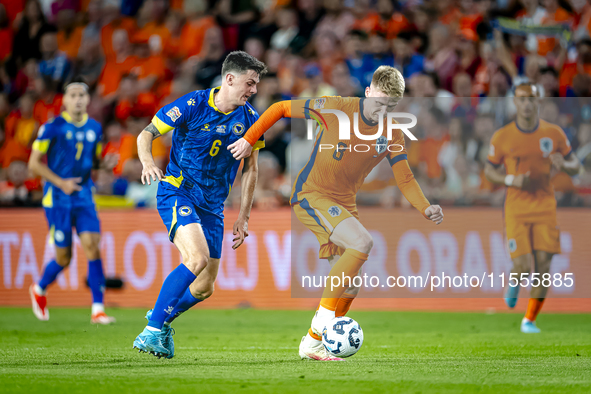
pixel 72 143
pixel 198 179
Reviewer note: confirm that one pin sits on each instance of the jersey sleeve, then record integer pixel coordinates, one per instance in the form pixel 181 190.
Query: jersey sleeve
pixel 45 136
pixel 173 115
pixel 396 148
pixel 495 151
pixel 98 150
pixel 563 144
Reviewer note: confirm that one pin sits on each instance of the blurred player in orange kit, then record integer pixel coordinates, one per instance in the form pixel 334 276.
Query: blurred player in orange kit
pixel 324 192
pixel 528 148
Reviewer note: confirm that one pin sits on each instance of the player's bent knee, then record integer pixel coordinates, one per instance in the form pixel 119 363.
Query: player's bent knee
pixel 63 258
pixel 196 263
pixel 363 243
pixel 204 293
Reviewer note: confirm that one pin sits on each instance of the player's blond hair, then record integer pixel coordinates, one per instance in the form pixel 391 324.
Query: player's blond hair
pixel 389 80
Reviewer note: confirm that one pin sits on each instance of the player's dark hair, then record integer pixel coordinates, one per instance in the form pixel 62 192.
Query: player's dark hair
pixel 240 62
pixel 77 80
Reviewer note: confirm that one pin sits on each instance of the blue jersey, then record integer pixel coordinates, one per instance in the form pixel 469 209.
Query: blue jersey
pixel 71 149
pixel 199 155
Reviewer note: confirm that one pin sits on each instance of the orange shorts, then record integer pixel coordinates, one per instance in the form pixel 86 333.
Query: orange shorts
pixel 321 215
pixel 524 236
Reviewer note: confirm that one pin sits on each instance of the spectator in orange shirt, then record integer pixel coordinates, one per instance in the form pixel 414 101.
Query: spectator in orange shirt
pixel 131 100
pixel 434 127
pixel 21 130
pixel 49 104
pixel 148 67
pixel 128 146
pixel 198 22
pixel 366 19
pixel 69 36
pixel 391 22
pixel 114 21
pixel 151 26
pixel 116 67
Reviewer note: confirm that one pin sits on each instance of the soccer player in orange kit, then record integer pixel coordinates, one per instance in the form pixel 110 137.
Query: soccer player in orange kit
pixel 529 147
pixel 323 196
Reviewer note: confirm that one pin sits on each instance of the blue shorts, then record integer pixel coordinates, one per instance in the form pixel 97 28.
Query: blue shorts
pixel 178 209
pixel 62 219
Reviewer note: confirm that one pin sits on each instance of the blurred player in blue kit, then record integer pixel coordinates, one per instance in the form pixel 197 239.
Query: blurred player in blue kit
pixel 198 179
pixel 72 144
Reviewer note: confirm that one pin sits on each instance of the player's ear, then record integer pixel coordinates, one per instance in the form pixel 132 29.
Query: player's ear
pixel 229 79
pixel 367 91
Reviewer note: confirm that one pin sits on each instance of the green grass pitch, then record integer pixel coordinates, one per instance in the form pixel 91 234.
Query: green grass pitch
pixel 254 351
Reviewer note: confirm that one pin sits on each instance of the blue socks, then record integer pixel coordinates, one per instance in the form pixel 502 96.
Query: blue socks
pixel 96 280
pixel 186 302
pixel 173 288
pixel 49 274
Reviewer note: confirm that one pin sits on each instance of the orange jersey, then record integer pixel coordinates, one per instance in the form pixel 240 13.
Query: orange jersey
pixel 522 152
pixel 338 174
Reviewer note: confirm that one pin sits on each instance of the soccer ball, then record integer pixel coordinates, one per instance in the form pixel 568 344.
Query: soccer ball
pixel 342 337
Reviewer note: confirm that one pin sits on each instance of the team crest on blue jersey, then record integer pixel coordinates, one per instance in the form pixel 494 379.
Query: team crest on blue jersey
pixel 69 135
pixel 90 136
pixel 334 211
pixel 381 144
pixel 238 128
pixel 185 210
pixel 546 145
pixel 205 127
pixel 221 129
pixel 174 113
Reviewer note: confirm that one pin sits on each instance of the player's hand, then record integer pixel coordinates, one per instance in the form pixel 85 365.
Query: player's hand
pixel 521 181
pixel 435 213
pixel 240 149
pixel 557 160
pixel 240 232
pixel 151 173
pixel 70 185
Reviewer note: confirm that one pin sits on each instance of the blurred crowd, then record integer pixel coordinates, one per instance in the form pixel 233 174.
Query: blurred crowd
pixel 138 55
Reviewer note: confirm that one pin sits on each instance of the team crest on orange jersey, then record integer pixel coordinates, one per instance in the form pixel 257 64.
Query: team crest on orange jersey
pixel 546 146
pixel 381 144
pixel 334 211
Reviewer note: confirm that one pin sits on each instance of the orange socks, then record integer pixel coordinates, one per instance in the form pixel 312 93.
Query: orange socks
pixel 344 304
pixel 533 308
pixel 347 266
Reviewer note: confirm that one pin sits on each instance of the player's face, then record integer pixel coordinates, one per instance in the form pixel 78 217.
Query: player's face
pixel 243 86
pixel 76 100
pixel 378 103
pixel 526 102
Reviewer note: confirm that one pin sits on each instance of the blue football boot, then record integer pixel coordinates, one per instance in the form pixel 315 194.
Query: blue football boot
pixel 168 332
pixel 529 327
pixel 511 295
pixel 151 342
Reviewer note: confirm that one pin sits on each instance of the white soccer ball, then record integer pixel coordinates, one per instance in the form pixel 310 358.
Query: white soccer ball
pixel 342 337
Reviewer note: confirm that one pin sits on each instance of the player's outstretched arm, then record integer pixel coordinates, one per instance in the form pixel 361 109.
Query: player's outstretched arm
pixel 411 190
pixel 150 172
pixel 37 167
pixel 250 174
pixel 283 109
